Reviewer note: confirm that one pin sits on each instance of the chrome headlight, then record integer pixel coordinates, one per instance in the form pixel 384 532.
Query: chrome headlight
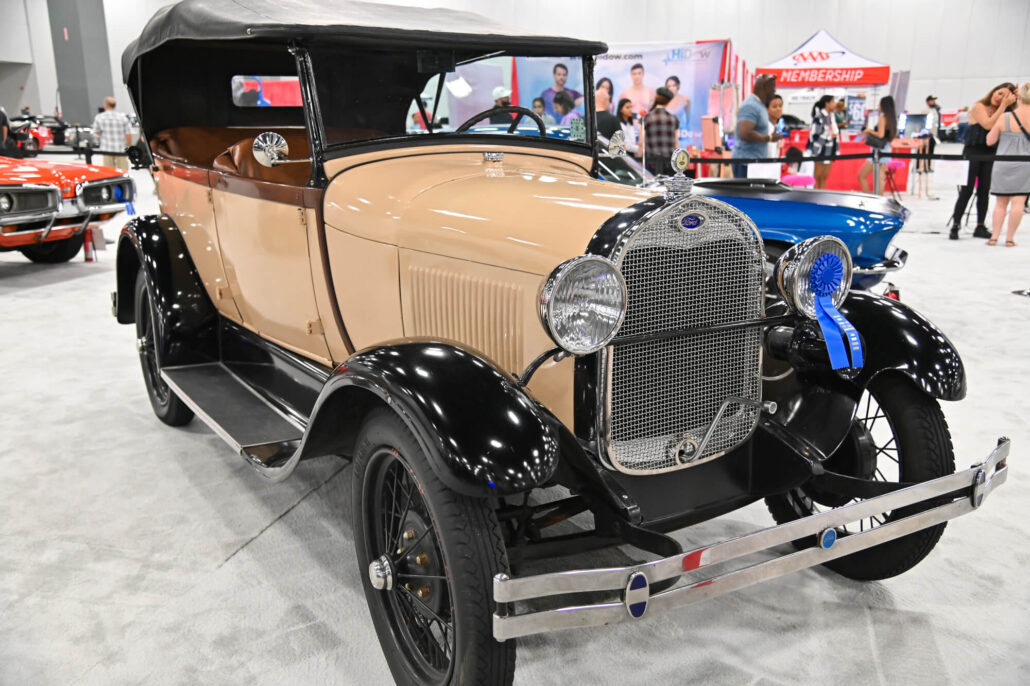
pixel 583 303
pixel 794 273
pixel 6 202
pixel 105 194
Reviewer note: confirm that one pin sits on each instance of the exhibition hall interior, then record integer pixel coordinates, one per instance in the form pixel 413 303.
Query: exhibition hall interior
pixel 454 343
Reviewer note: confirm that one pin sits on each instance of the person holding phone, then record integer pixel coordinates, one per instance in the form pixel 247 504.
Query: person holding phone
pixel 985 114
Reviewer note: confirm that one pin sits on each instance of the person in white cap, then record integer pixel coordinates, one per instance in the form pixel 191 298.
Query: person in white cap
pixel 502 98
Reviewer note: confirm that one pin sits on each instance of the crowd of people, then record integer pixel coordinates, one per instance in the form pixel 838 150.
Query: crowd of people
pixel 650 119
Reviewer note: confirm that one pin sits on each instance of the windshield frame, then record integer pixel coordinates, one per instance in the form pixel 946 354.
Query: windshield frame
pixel 327 150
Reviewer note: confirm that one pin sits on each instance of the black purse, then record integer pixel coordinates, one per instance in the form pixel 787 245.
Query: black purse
pixel 874 141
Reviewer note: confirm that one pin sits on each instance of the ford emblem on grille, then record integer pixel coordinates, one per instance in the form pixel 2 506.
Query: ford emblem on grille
pixel 637 594
pixel 693 220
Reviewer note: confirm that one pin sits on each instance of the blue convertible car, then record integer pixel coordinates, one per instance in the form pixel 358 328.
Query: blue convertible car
pixel 786 215
pixel 783 214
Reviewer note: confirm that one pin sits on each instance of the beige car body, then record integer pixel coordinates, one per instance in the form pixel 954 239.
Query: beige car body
pixel 419 242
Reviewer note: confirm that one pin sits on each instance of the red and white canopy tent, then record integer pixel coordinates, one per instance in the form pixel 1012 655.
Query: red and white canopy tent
pixel 822 61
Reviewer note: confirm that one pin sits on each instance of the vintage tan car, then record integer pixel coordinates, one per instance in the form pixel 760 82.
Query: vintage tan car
pixel 499 340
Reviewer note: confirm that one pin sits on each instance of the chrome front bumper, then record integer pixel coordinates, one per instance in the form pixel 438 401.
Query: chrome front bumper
pixel 892 262
pixel 968 490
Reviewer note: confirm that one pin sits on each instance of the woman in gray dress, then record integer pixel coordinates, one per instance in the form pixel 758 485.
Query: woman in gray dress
pixel 1011 182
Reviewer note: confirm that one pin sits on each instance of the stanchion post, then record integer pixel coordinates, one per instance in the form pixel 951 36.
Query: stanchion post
pixel 876 171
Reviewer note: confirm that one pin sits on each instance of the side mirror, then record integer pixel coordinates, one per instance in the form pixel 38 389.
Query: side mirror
pixel 617 145
pixel 270 149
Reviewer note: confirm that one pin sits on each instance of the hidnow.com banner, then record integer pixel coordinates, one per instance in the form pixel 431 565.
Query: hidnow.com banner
pixel 690 70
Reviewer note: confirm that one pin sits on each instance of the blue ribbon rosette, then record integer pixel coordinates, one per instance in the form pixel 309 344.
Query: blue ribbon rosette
pixel 128 206
pixel 825 278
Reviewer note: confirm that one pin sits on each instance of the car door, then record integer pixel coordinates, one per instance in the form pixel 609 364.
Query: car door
pixel 263 232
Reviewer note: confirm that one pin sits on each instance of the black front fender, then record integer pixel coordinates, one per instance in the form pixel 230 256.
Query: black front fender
pixel 899 338
pixel 483 434
pixel 815 412
pixel 187 320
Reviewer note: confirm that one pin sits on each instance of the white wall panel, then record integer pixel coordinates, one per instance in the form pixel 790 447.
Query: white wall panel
pixel 125 19
pixel 14 33
pixel 951 47
pixel 43 77
pixel 954 48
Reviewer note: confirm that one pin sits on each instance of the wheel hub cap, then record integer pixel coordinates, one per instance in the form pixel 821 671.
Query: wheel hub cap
pixel 380 573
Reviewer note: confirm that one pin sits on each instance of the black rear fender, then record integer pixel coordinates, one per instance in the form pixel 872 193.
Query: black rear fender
pixel 187 320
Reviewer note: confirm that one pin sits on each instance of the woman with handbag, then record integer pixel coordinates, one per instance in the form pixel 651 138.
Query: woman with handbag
pixel 1011 182
pixel 880 139
pixel 984 115
pixel 822 138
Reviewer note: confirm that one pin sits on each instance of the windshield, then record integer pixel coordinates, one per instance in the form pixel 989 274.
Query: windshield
pixel 624 170
pixel 373 95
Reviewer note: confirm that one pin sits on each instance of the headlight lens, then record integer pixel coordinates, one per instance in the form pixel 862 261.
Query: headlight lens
pixel 583 303
pixel 794 273
pixel 105 193
pixel 6 203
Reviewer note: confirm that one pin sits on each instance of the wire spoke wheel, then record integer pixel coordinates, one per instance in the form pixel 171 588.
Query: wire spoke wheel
pixel 168 407
pixel 898 435
pixel 146 346
pixel 399 527
pixel 431 556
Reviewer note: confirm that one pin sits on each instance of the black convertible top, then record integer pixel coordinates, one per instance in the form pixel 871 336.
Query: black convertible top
pixel 342 21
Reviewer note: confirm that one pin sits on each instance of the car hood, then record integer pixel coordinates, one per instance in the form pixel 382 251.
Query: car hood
pixel 528 211
pixel 64 176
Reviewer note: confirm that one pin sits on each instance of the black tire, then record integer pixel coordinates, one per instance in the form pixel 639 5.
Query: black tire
pixel 167 406
pixel 449 639
pixel 922 444
pixel 31 147
pixel 54 252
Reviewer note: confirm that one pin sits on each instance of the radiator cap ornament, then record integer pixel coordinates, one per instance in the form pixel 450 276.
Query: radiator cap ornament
pixel 679 184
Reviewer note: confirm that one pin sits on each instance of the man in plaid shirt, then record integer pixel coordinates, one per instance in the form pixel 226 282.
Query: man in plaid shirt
pixel 115 134
pixel 661 134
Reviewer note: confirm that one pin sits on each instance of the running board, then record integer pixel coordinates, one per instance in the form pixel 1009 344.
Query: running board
pixel 266 437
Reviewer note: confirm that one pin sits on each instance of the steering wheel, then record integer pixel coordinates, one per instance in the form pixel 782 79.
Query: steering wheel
pixel 520 111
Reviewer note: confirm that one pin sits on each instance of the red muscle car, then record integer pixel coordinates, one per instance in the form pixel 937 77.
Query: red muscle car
pixel 45 207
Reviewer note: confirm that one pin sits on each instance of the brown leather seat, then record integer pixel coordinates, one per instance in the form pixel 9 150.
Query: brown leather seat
pixel 239 160
pixel 198 145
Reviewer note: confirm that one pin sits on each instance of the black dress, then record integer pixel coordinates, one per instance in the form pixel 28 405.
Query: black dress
pixel 979 177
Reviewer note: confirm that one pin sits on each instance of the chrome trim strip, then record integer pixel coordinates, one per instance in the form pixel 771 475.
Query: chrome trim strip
pixel 27 219
pixel 979 480
pixel 891 263
pixel 15 218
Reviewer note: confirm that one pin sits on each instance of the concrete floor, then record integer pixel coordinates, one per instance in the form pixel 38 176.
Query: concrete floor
pixel 131 552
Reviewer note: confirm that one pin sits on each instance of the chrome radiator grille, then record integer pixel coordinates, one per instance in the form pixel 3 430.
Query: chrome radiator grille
pixel 663 395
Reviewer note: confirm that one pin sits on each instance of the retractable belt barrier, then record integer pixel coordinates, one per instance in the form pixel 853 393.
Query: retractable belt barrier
pixel 860 156
pixel 87 152
pixel 876 155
